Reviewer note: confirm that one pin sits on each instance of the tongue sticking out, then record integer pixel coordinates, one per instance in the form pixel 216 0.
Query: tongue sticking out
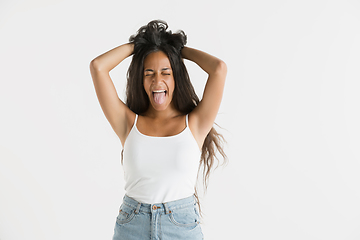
pixel 159 97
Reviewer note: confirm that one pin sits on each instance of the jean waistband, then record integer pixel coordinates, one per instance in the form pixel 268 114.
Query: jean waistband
pixel 166 207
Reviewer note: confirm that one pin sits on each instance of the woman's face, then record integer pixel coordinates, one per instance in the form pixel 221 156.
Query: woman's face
pixel 159 81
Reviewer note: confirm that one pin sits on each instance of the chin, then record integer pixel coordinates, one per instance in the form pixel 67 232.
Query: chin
pixel 161 107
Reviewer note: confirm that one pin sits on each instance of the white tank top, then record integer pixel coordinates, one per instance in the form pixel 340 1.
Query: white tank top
pixel 160 169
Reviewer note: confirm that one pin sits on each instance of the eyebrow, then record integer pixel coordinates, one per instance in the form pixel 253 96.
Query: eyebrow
pixel 150 70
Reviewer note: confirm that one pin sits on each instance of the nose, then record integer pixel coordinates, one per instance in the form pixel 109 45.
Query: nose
pixel 157 78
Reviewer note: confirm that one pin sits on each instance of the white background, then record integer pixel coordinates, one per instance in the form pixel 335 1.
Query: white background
pixel 290 114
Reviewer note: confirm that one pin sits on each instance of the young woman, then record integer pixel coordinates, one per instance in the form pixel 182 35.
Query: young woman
pixel 165 131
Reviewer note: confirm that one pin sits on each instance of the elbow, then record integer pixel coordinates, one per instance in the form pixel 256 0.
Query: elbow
pixel 221 68
pixel 94 65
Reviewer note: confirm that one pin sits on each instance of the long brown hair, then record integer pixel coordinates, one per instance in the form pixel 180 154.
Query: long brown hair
pixel 155 37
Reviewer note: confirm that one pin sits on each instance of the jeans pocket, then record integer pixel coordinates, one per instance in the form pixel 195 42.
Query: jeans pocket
pixel 126 214
pixel 185 217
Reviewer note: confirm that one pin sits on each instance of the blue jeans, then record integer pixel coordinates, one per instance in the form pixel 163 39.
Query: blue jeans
pixel 166 221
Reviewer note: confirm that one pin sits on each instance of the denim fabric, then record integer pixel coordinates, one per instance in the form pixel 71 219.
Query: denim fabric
pixel 162 221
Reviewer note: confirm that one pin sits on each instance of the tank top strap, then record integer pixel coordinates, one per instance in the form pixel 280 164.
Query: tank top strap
pixel 136 118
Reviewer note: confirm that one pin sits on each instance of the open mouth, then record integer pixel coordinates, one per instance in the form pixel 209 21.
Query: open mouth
pixel 159 96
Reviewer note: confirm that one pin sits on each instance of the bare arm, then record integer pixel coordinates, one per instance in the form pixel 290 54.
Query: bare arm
pixel 116 112
pixel 203 116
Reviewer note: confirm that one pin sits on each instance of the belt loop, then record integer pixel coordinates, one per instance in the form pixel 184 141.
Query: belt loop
pixel 138 208
pixel 166 208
